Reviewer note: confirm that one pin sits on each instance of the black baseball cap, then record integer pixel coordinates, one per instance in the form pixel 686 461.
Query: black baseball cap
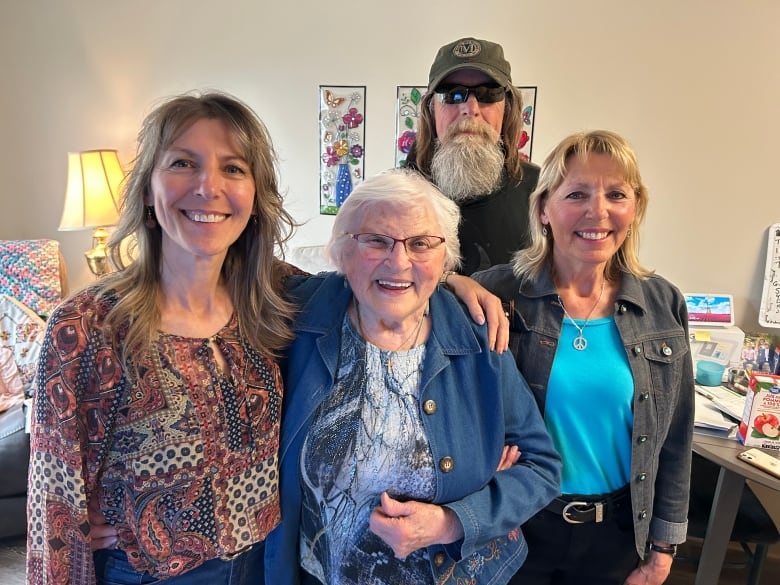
pixel 470 53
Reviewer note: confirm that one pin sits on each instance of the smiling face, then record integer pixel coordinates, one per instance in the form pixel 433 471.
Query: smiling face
pixel 395 288
pixel 203 193
pixel 589 213
pixel 445 115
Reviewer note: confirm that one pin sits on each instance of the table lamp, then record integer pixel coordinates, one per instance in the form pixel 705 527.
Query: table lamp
pixel 92 200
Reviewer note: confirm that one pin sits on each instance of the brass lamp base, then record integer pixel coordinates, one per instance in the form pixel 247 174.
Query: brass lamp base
pixel 97 257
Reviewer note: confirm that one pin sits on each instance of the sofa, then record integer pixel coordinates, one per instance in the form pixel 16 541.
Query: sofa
pixel 32 281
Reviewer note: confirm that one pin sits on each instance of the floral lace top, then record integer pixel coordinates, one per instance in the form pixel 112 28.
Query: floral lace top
pixel 183 457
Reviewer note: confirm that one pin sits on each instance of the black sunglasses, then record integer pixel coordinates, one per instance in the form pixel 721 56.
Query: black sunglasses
pixel 458 94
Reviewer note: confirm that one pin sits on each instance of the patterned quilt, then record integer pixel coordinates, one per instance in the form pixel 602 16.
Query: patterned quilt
pixel 30 272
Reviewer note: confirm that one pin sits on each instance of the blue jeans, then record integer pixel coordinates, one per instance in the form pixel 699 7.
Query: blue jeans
pixel 113 568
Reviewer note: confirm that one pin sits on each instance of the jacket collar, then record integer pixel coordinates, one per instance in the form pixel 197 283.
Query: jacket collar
pixel 631 290
pixel 452 328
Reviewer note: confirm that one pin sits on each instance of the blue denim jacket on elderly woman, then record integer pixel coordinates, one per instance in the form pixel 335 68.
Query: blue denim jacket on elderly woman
pixel 652 319
pixel 472 402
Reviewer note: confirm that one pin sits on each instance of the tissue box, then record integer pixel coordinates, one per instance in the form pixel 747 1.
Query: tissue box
pixel 760 426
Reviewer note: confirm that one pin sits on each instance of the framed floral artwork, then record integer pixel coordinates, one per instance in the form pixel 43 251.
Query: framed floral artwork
pixel 342 143
pixel 407 112
pixel 529 113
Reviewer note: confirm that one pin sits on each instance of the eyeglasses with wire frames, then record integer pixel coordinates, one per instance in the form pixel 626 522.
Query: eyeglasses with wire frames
pixel 459 94
pixel 381 245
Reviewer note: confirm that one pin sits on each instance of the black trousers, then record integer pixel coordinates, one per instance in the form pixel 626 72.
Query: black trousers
pixel 593 553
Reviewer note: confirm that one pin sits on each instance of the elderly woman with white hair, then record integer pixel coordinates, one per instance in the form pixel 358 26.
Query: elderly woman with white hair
pixel 396 412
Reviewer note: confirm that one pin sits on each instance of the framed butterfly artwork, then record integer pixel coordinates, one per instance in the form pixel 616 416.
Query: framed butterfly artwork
pixel 342 143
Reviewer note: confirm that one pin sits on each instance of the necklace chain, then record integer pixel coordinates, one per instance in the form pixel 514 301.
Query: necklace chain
pixel 579 343
pixel 414 333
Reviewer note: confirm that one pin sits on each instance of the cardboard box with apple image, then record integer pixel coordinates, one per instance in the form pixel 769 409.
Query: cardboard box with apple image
pixel 760 426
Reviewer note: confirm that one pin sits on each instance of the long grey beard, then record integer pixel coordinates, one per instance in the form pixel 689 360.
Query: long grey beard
pixel 467 167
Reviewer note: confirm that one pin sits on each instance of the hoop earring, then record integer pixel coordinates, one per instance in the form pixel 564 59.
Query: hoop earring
pixel 149 220
pixel 544 231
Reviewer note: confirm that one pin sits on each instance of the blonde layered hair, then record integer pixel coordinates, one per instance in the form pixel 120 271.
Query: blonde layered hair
pixel 511 130
pixel 251 273
pixel 530 262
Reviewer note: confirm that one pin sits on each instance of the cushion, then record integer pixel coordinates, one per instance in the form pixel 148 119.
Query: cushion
pixel 30 271
pixel 11 388
pixel 21 338
pixel 309 258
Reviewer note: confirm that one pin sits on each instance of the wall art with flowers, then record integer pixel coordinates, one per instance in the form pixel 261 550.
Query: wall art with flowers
pixel 342 143
pixel 529 113
pixel 408 111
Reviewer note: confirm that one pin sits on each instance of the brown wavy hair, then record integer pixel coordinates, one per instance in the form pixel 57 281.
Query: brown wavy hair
pixel 251 272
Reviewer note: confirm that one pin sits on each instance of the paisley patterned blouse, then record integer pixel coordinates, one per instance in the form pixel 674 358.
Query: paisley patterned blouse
pixel 183 455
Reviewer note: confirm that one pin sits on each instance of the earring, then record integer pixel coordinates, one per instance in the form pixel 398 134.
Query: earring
pixel 544 231
pixel 629 232
pixel 149 220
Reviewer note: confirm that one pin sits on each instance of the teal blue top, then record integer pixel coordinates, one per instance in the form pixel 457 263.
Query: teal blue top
pixel 588 409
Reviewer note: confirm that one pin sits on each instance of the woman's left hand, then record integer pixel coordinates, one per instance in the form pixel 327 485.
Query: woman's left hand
pixel 481 304
pixel 652 571
pixel 409 526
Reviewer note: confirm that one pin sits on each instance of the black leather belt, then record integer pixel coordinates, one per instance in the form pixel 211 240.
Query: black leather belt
pixel 582 509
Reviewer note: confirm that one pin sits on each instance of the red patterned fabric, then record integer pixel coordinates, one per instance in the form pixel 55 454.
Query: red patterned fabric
pixel 183 457
pixel 30 272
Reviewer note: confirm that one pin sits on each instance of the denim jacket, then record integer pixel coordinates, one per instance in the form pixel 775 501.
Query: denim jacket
pixel 652 319
pixel 472 403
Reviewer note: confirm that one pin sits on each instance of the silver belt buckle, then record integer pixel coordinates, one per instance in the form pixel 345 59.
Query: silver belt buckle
pixel 598 507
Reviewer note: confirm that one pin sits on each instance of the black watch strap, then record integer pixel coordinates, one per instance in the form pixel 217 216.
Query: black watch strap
pixel 667 550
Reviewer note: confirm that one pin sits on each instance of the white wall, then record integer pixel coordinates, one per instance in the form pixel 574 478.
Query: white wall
pixel 693 84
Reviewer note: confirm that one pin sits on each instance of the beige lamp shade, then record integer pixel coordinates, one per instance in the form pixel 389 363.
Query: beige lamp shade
pixel 92 194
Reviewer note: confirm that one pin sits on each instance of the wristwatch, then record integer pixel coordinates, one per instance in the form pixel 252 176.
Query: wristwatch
pixel 445 276
pixel 667 550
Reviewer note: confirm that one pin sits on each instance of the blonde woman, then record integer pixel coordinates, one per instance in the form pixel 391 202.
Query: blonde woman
pixel 603 343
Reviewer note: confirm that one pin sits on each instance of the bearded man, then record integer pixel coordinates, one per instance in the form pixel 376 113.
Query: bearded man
pixel 469 128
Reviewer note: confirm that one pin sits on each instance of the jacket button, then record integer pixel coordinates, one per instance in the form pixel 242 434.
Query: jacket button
pixel 446 464
pixel 644 396
pixel 623 308
pixel 642 476
pixel 637 349
pixel 643 514
pixel 429 406
pixel 642 439
pixel 439 558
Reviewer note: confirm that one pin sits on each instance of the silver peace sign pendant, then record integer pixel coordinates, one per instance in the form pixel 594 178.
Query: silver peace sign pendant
pixel 580 343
